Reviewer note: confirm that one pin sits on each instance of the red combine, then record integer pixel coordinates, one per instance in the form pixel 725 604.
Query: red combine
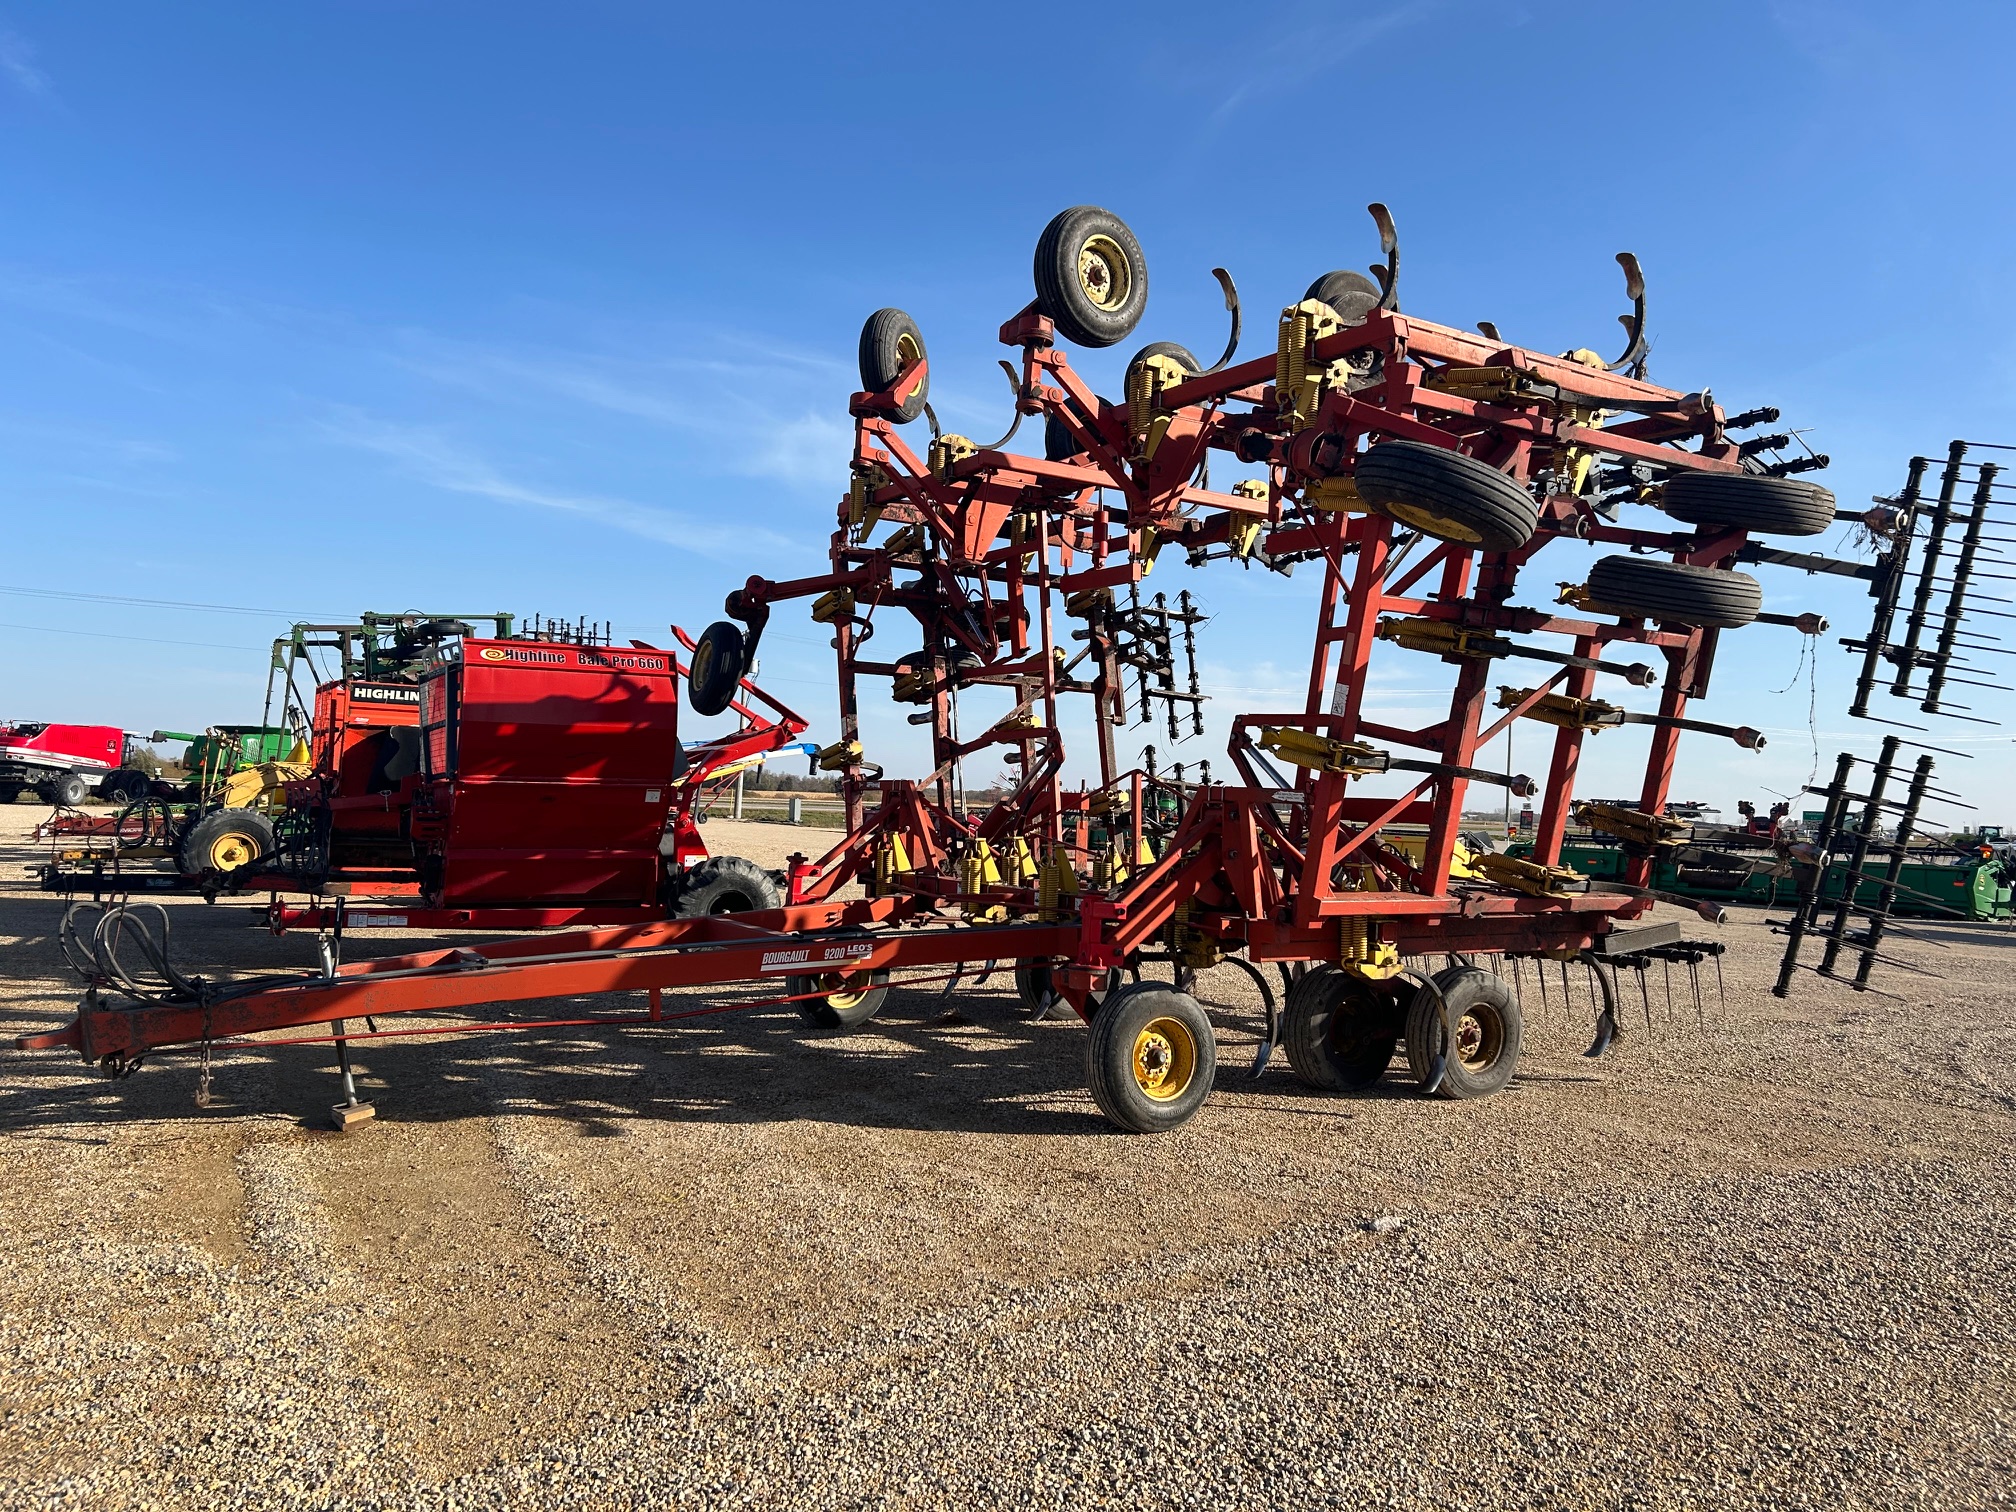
pixel 65 763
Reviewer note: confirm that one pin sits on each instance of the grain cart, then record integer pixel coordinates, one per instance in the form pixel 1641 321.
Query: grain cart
pixel 1419 469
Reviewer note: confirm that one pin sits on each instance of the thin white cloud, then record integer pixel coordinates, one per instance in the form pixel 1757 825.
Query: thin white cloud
pixel 433 459
pixel 17 66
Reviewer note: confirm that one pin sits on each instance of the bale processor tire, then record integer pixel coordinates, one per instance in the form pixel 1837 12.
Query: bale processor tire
pixel 1750 501
pixel 1643 588
pixel 1091 279
pixel 890 342
pixel 64 791
pixel 1150 1057
pixel 1447 495
pixel 224 841
pixel 850 999
pixel 725 884
pixel 715 674
pixel 1489 1029
pixel 1352 295
pixel 1339 1033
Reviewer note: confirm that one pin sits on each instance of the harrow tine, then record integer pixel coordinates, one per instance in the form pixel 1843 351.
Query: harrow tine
pixel 1645 993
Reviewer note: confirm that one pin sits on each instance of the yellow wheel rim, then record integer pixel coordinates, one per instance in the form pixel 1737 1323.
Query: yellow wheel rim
pixel 906 352
pixel 1103 272
pixel 703 662
pixel 1480 1040
pixel 1440 526
pixel 1165 1059
pixel 229 852
pixel 848 991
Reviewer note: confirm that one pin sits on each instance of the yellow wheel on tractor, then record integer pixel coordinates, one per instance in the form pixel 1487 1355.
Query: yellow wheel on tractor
pixel 1150 1057
pixel 224 841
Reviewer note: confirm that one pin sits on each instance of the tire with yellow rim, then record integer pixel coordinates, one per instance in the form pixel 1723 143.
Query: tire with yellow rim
pixel 1449 496
pixel 1091 279
pixel 1150 1057
pixel 1489 1028
pixel 850 998
pixel 224 841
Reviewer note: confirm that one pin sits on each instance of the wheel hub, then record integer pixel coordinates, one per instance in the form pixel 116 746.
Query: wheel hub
pixel 1165 1059
pixel 1102 272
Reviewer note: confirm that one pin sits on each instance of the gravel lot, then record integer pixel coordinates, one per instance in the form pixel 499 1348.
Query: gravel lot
pixel 1762 1258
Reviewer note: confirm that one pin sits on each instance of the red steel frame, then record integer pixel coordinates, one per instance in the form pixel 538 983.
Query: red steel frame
pixel 1295 870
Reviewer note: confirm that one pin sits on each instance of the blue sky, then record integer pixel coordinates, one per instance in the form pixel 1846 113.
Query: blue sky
pixel 312 309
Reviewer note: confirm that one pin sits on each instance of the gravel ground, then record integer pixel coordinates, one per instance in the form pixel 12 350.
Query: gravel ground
pixel 1757 1257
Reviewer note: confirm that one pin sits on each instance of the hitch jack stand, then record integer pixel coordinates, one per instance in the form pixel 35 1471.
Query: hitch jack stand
pixel 352 1111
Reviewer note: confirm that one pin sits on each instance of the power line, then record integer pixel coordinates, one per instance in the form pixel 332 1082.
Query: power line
pixel 150 603
pixel 145 640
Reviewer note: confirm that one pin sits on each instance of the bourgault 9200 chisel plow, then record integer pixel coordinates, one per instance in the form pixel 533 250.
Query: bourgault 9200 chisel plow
pixel 1420 469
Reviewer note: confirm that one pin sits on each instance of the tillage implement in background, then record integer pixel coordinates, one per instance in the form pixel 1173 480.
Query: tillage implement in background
pixel 1419 469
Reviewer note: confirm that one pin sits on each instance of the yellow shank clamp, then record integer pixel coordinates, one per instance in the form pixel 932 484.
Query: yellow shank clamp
pixel 1630 825
pixel 947 450
pixel 832 607
pixel 1563 712
pixel 1298 382
pixel 1528 877
pixel 1319 753
pixel 838 756
pixel 1439 638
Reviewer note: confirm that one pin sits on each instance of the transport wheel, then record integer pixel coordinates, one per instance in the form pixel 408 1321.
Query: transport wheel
pixel 65 791
pixel 716 671
pixel 725 884
pixel 9 793
pixel 1644 588
pixel 1150 1057
pixel 1339 1031
pixel 1352 295
pixel 1488 1032
pixel 852 997
pixel 1774 506
pixel 1059 445
pixel 890 342
pixel 1447 495
pixel 1091 279
pixel 1180 352
pixel 224 840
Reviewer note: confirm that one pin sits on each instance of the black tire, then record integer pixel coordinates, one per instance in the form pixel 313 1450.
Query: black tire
pixel 1150 1057
pixel 725 884
pixel 1749 501
pixel 1059 445
pixel 1447 495
pixel 1040 998
pixel 224 841
pixel 716 671
pixel 1352 295
pixel 1489 1030
pixel 124 786
pixel 1338 1031
pixel 1646 588
pixel 65 790
pixel 852 998
pixel 9 793
pixel 1174 349
pixel 1091 279
pixel 890 342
